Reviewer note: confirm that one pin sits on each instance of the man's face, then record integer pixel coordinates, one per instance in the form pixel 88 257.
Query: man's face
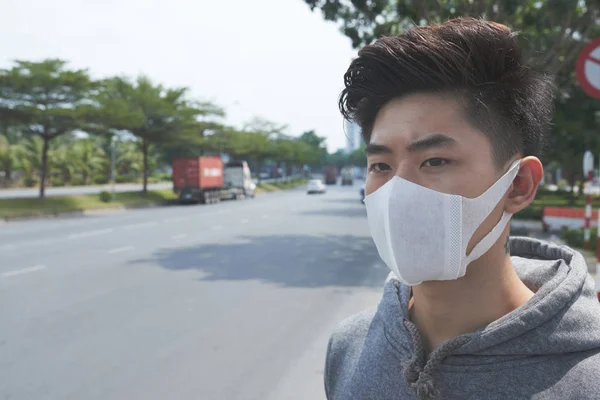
pixel 425 139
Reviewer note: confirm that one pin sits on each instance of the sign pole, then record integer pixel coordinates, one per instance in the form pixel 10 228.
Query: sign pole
pixel 588 211
pixel 588 172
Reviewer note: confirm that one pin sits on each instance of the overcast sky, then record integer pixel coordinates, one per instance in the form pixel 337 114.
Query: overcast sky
pixel 269 58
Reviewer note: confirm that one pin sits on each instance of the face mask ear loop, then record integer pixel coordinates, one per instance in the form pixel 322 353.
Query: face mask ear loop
pixel 476 210
pixel 487 242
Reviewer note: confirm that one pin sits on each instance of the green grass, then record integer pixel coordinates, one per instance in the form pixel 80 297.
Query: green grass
pixel 58 205
pixel 11 208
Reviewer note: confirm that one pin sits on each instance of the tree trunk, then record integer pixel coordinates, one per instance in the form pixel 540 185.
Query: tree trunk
pixel 43 171
pixel 145 150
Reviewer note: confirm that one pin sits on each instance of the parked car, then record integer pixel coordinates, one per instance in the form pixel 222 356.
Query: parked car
pixel 316 186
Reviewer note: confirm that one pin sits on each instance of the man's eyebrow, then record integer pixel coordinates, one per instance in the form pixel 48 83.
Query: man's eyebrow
pixel 434 141
pixel 373 148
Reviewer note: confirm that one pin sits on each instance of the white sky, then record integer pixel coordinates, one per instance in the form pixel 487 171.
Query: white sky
pixel 269 58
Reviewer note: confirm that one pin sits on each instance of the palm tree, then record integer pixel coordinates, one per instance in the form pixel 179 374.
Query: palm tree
pixel 8 159
pixel 30 159
pixel 88 157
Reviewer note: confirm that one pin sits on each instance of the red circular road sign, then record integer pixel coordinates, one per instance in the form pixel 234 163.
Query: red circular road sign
pixel 587 68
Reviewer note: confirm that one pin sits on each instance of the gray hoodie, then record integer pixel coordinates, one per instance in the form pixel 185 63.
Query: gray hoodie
pixel 546 349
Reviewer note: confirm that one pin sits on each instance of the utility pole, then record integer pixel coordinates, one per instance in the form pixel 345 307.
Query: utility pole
pixel 113 165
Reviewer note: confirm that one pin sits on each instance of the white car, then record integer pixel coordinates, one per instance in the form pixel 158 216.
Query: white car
pixel 316 186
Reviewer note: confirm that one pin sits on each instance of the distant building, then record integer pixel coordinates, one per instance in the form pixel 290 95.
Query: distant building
pixel 353 136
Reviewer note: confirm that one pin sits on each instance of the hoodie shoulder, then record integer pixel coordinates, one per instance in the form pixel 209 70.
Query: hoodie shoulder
pixel 344 349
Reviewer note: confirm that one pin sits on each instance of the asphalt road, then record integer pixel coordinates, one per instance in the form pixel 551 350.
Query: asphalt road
pixel 228 301
pixel 78 190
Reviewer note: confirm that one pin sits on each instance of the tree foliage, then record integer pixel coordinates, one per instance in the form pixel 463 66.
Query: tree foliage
pixel 44 99
pixel 553 30
pixel 154 114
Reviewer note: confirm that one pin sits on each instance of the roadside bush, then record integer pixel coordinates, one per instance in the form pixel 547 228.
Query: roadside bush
pixel 164 177
pixel 100 179
pixel 30 182
pixel 125 178
pixel 574 238
pixel 532 212
pixel 77 181
pixel 558 194
pixel 57 181
pixel 105 197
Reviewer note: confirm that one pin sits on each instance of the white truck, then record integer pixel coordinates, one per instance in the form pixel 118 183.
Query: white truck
pixel 347 176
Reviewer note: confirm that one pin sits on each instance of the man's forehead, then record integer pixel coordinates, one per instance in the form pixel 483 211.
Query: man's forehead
pixel 415 117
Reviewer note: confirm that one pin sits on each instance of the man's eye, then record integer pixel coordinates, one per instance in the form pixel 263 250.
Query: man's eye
pixel 434 162
pixel 379 167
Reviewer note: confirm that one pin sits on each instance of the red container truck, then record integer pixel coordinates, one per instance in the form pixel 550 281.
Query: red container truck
pixel 209 180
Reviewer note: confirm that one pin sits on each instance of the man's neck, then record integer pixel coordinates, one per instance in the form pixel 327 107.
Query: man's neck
pixel 490 289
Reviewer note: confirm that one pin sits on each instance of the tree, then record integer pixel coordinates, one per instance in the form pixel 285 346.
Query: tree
pixel 554 29
pixel 340 158
pixel 318 146
pixel 9 154
pixel 358 157
pixel 152 113
pixel 30 158
pixel 46 100
pixel 88 158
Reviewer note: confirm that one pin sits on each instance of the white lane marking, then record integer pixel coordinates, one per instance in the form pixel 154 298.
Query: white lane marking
pixel 245 221
pixel 142 225
pixel 179 237
pixel 120 249
pixel 217 227
pixel 174 219
pixel 22 271
pixel 90 233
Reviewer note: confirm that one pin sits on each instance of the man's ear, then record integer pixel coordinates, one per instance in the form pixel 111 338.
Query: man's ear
pixel 524 187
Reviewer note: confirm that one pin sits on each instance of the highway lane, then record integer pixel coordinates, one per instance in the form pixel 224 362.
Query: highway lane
pixel 227 301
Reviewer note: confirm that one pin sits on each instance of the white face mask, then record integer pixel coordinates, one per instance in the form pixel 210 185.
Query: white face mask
pixel 422 235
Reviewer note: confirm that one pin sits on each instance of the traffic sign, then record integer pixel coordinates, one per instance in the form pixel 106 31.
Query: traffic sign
pixel 588 163
pixel 587 68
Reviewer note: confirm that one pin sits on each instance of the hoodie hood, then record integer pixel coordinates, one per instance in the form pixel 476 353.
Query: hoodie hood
pixel 562 317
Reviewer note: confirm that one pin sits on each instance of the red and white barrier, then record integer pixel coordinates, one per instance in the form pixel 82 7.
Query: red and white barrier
pixel 558 218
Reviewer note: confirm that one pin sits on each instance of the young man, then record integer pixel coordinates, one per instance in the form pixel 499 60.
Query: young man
pixel 454 122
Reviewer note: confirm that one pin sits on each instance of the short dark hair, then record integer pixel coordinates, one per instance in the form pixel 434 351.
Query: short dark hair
pixel 476 61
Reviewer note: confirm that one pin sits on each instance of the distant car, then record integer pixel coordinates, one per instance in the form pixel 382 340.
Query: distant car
pixel 362 193
pixel 316 186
